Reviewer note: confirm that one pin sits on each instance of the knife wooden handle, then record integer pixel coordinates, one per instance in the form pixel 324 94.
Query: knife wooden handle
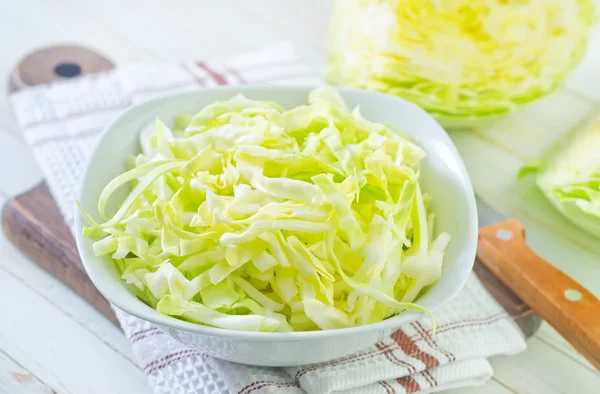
pixel 566 305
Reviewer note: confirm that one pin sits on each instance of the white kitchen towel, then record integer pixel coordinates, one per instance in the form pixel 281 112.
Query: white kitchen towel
pixel 62 122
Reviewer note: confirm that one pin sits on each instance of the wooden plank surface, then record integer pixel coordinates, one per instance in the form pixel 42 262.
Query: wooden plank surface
pixel 183 30
pixel 63 354
pixel 14 379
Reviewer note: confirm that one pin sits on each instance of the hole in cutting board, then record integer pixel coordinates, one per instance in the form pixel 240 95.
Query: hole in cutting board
pixel 67 70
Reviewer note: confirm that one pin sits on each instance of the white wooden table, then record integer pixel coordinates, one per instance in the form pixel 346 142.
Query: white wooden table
pixel 52 342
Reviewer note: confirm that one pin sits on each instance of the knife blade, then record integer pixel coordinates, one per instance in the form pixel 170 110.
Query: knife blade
pixel 557 298
pixel 486 214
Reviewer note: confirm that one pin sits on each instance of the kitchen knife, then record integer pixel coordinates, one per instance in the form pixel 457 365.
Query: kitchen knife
pixel 566 305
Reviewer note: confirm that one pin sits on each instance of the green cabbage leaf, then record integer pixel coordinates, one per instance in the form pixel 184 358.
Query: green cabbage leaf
pixel 569 175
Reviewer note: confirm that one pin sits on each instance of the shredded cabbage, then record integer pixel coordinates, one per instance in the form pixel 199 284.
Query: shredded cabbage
pixel 569 175
pixel 459 59
pixel 250 217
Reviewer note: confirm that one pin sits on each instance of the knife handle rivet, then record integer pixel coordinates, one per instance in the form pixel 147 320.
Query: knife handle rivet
pixel 504 234
pixel 573 295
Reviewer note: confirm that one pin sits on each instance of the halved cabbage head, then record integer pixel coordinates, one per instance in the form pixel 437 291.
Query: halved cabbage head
pixel 247 216
pixel 569 175
pixel 461 60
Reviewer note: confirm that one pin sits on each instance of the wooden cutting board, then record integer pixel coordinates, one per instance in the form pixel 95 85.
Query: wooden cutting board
pixel 33 223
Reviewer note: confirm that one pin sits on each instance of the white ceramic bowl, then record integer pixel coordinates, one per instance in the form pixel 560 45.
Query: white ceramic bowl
pixel 443 176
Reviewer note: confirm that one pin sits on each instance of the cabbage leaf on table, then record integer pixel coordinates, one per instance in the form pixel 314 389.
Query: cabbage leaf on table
pixel 247 216
pixel 569 175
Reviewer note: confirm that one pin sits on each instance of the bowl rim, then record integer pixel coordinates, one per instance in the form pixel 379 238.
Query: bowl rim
pixel 149 314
